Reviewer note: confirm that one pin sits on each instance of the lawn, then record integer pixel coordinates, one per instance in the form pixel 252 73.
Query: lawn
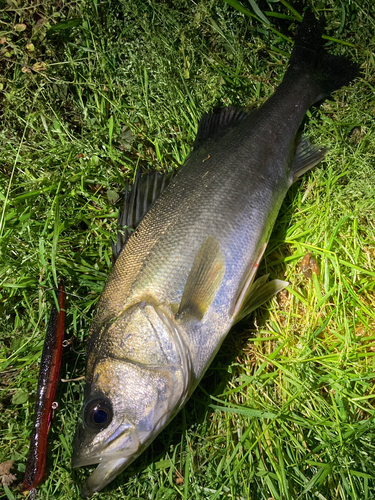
pixel 89 92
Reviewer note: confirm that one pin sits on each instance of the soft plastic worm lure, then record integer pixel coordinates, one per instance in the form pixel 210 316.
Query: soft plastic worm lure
pixel 47 384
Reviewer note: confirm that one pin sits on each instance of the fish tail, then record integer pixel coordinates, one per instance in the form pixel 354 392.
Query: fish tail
pixel 329 72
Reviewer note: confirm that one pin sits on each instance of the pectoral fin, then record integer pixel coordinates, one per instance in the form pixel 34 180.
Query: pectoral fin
pixel 203 280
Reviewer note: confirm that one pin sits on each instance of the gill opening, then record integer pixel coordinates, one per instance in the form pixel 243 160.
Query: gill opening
pixel 182 350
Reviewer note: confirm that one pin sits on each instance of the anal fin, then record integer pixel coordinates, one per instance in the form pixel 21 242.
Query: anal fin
pixel 203 280
pixel 307 156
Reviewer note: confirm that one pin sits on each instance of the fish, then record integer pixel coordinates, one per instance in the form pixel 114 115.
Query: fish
pixel 184 275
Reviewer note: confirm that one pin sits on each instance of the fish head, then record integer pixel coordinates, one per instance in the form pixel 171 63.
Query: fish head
pixel 136 383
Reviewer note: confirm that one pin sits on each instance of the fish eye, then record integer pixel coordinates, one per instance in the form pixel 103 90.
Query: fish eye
pixel 98 414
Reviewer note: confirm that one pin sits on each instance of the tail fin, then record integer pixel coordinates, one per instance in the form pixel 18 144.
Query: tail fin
pixel 308 55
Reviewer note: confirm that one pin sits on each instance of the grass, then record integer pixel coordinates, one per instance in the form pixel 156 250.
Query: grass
pixel 90 91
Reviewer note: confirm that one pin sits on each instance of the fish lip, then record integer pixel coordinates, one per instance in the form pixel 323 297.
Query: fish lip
pixel 83 461
pixel 105 472
pixel 78 461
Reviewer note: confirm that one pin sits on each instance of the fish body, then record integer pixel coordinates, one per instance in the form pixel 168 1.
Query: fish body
pixel 180 282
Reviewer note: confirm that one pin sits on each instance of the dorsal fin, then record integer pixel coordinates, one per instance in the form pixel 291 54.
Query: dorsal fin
pixel 137 202
pixel 219 120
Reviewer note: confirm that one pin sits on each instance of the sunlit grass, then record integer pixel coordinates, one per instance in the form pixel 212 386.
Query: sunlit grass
pixel 286 409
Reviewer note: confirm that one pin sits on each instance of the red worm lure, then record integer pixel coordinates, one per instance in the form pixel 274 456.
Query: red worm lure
pixel 47 384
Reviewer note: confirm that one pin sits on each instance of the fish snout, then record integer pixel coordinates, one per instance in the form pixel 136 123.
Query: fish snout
pixel 108 445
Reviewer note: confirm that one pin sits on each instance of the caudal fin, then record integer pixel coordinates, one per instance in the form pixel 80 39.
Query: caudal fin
pixel 309 56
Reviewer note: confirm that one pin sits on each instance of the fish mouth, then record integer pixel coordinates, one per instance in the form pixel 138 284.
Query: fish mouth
pixel 117 441
pixel 109 467
pixel 119 446
pixel 83 461
pixel 105 472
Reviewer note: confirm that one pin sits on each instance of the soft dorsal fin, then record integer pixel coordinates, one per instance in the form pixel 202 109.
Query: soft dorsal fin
pixel 137 202
pixel 216 122
pixel 307 156
pixel 203 280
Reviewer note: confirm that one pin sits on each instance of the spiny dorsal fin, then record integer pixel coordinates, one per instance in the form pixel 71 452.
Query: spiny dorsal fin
pixel 137 202
pixel 307 156
pixel 203 280
pixel 216 122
